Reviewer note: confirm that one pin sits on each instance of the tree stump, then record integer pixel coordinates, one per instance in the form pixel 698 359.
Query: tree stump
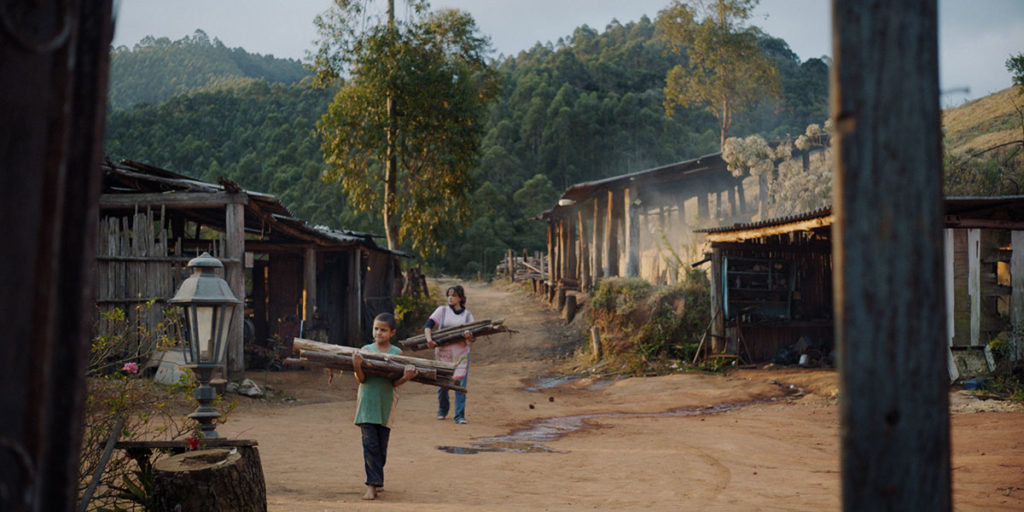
pixel 214 480
pixel 570 308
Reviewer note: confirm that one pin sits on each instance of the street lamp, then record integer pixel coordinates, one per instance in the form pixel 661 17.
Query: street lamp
pixel 208 303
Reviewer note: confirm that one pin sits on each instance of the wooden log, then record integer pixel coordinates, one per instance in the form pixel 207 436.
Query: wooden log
pixel 460 329
pixel 370 367
pixel 345 364
pixel 389 369
pixel 455 334
pixel 316 346
pixel 219 479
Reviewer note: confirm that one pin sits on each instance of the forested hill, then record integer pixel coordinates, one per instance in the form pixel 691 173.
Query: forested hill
pixel 586 107
pixel 157 69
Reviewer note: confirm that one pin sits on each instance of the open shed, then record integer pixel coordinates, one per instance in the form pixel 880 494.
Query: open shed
pixel 771 281
pixel 639 224
pixel 153 221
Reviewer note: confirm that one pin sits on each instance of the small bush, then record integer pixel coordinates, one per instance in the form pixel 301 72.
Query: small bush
pixel 411 312
pixel 644 326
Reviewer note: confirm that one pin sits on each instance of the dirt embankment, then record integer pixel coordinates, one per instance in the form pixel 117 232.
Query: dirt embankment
pixel 745 441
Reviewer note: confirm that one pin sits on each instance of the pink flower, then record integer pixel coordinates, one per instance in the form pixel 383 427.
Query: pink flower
pixel 132 368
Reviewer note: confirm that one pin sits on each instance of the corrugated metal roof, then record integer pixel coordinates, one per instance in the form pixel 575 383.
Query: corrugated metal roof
pixel 1012 206
pixel 710 163
pixel 129 176
pixel 778 221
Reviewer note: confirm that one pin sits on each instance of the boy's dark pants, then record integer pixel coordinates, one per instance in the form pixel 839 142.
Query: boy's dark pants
pixel 375 452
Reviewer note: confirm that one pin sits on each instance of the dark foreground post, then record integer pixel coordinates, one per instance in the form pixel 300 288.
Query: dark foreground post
pixel 890 311
pixel 53 89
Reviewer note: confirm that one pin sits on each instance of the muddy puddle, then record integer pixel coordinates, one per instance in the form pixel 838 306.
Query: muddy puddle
pixel 531 439
pixel 561 380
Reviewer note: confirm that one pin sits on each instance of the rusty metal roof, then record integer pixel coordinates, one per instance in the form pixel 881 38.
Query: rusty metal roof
pixel 687 169
pixel 994 207
pixel 263 211
pixel 778 221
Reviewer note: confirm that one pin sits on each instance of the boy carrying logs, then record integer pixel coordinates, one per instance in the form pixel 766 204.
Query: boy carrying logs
pixel 376 402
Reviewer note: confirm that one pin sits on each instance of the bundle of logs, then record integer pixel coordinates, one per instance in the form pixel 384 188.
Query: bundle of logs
pixel 453 334
pixel 391 366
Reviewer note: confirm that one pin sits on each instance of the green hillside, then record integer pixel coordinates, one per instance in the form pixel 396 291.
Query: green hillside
pixel 157 69
pixel 983 146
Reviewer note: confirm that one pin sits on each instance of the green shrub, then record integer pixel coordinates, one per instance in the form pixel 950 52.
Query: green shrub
pixel 620 296
pixel 411 312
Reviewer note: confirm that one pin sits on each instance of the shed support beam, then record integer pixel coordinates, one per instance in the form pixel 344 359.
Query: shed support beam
pixel 612 225
pixel 632 232
pixel 584 256
pixel 598 248
pixel 1017 297
pixel 309 284
pixel 234 235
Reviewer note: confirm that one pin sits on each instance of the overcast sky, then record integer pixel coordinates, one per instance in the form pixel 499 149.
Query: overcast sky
pixel 975 36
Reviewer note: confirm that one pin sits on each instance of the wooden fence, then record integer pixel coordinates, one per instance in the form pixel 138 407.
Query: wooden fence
pixel 139 266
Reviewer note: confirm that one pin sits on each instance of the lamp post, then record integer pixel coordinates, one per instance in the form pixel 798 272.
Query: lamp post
pixel 208 303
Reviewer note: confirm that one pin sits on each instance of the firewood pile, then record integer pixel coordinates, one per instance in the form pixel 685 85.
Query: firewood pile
pixel 523 268
pixel 314 354
pixel 454 334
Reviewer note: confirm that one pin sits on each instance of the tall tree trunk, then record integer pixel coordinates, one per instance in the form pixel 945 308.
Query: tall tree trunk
pixel 391 166
pixel 888 247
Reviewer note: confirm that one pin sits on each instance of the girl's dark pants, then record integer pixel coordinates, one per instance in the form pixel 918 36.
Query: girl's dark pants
pixel 375 452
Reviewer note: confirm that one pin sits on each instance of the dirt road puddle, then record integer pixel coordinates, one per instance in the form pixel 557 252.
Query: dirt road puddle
pixel 543 430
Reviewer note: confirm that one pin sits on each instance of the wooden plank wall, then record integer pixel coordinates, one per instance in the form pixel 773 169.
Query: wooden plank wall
pixel 137 260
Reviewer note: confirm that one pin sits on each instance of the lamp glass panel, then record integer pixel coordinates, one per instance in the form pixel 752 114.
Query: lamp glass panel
pixel 205 316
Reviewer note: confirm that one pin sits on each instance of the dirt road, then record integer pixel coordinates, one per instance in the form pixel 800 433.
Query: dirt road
pixel 682 442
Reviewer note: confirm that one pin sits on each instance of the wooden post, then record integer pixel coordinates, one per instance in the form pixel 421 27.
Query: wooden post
pixel 1017 294
pixel 234 274
pixel 571 267
pixel 611 226
pixel 598 243
pixel 974 283
pixel 887 248
pixel 570 308
pixel 584 250
pixel 595 343
pixel 632 207
pixel 551 242
pixel 309 284
pixel 54 89
pixel 717 329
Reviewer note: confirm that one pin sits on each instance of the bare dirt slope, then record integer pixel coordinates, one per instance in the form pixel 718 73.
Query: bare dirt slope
pixel 681 442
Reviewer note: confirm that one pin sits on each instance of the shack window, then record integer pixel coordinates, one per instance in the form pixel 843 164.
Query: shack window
pixel 757 289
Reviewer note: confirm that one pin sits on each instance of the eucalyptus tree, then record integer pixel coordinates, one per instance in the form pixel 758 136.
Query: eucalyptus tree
pixel 408 116
pixel 727 72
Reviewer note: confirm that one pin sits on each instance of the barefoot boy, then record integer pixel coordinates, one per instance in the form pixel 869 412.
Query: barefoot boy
pixel 376 401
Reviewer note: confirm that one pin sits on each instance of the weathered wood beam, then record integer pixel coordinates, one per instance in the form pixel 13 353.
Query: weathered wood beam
pixel 888 279
pixel 234 274
pixel 632 209
pixel 954 221
pixel 172 200
pixel 1017 295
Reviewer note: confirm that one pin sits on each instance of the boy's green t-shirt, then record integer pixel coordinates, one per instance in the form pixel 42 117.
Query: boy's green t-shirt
pixel 377 396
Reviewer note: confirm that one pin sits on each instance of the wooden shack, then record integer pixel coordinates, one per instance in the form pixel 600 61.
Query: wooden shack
pixel 771 281
pixel 640 224
pixel 153 221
